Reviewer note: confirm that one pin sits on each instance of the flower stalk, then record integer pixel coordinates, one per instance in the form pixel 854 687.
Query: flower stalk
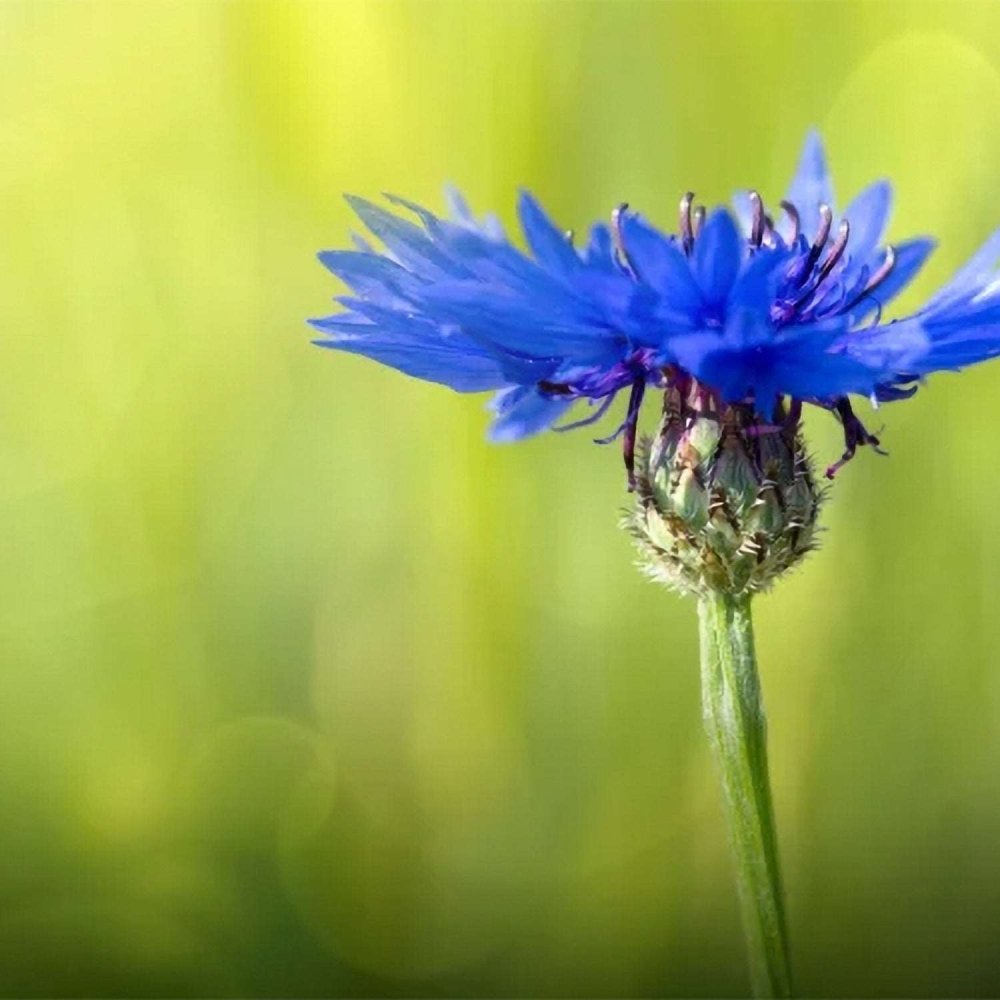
pixel 734 720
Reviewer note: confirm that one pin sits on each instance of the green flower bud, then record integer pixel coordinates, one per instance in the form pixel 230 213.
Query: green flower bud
pixel 723 502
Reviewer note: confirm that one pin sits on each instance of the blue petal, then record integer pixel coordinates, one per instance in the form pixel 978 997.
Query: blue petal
pixel 548 243
pixel 959 326
pixel 426 216
pixel 970 280
pixel 717 253
pixel 811 186
pixel 458 207
pixel 376 278
pixel 961 349
pixel 360 243
pixel 599 248
pixel 868 215
pixel 743 210
pixel 460 213
pixel 512 321
pixel 892 348
pixel 442 231
pixel 413 248
pixel 808 364
pixel 493 262
pixel 910 258
pixel 415 348
pixel 661 265
pixel 803 362
pixel 381 323
pixel 757 284
pixel 523 411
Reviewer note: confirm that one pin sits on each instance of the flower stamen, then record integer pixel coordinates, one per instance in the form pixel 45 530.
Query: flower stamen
pixel 556 388
pixel 823 233
pixel 770 236
pixel 793 214
pixel 757 223
pixel 794 414
pixel 618 237
pixel 592 418
pixel 855 435
pixel 836 251
pixel 883 272
pixel 687 233
pixel 832 258
pixel 885 269
pixel 699 220
pixel 631 423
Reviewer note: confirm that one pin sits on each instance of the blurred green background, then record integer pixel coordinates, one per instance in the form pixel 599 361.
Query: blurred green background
pixel 307 690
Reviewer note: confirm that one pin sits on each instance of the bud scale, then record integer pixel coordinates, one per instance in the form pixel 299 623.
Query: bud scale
pixel 725 503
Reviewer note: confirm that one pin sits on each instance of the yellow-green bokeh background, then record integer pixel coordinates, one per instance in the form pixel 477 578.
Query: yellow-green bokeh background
pixel 306 689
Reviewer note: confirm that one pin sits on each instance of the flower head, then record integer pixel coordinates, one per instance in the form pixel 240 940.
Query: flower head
pixel 750 309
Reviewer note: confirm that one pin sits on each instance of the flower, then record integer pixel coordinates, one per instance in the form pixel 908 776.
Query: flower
pixel 765 312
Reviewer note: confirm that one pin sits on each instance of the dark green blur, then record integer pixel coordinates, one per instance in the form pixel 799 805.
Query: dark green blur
pixel 308 690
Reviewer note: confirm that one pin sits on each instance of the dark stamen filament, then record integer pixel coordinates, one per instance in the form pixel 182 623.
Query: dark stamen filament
pixel 687 233
pixel 591 418
pixel 793 214
pixel 794 415
pixel 883 272
pixel 825 221
pixel 885 269
pixel 618 239
pixel 836 252
pixel 631 421
pixel 556 388
pixel 769 236
pixel 699 220
pixel 757 223
pixel 855 435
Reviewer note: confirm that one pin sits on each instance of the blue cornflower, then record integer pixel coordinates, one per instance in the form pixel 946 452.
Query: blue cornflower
pixel 743 308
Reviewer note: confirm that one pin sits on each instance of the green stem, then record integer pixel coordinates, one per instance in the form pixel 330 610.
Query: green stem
pixel 734 719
